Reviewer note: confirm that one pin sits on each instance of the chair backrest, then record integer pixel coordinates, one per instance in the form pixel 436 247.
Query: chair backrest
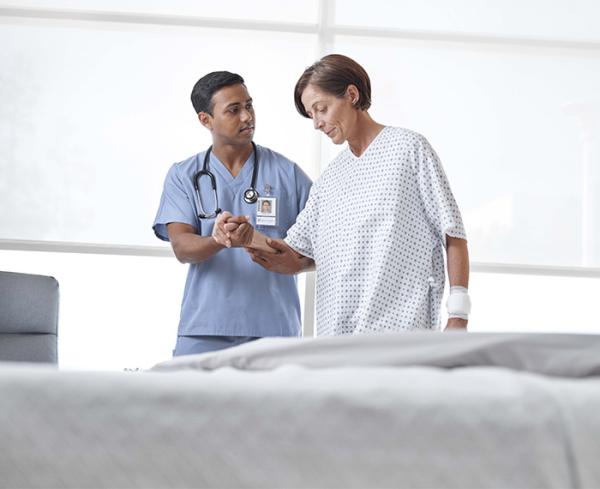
pixel 28 318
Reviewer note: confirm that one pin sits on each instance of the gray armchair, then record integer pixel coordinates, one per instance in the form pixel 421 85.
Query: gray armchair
pixel 28 318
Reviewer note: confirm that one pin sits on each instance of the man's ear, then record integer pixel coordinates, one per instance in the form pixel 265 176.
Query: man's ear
pixel 205 119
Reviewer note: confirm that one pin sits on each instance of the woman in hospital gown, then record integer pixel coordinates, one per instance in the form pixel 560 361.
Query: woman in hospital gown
pixel 377 220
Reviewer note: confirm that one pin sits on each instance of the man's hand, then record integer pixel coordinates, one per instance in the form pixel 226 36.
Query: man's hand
pixel 239 231
pixel 285 260
pixel 218 233
pixel 456 324
pixel 232 231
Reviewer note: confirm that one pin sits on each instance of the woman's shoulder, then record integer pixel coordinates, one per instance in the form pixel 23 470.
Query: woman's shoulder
pixel 406 142
pixel 402 134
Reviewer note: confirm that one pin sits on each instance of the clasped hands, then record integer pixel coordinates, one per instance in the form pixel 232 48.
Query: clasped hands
pixel 236 231
pixel 273 254
pixel 232 231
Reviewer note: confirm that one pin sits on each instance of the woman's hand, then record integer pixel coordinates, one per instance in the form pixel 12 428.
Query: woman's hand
pixel 281 258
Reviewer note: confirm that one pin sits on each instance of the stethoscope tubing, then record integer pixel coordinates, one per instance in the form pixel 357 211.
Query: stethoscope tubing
pixel 250 194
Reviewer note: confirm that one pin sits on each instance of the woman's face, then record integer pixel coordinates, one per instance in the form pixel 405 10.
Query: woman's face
pixel 335 116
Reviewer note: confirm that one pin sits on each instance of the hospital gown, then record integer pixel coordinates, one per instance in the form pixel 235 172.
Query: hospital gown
pixel 376 226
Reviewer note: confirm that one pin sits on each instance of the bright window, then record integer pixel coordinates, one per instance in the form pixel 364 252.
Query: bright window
pixel 94 114
pixel 115 312
pixel 94 109
pixel 301 11
pixel 508 124
pixel 121 312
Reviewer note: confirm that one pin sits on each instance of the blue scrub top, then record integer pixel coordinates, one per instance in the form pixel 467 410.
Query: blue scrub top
pixel 229 294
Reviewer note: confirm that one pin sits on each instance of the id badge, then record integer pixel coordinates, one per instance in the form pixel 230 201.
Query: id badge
pixel 266 211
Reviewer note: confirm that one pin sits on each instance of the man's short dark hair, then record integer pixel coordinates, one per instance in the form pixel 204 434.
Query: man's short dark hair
pixel 205 88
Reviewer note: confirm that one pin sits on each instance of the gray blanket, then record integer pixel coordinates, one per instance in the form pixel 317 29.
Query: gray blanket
pixel 550 354
pixel 371 411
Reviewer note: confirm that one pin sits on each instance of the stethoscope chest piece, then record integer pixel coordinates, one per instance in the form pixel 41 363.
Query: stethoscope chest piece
pixel 250 195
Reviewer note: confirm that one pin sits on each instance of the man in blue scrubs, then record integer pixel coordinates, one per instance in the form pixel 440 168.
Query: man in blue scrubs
pixel 229 299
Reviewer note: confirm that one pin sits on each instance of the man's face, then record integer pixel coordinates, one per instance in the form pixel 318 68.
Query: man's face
pixel 232 120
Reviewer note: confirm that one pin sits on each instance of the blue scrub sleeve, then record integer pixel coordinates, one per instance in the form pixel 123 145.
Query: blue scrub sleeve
pixel 176 204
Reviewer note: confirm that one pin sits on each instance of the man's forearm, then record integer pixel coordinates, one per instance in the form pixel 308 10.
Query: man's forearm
pixel 191 248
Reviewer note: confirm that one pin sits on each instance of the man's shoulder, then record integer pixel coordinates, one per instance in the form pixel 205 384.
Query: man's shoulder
pixel 190 161
pixel 268 154
pixel 187 167
pixel 276 162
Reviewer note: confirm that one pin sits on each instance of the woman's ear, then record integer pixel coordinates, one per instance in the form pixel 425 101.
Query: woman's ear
pixel 353 95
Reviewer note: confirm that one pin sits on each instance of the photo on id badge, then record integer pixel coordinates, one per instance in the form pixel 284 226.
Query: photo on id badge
pixel 266 211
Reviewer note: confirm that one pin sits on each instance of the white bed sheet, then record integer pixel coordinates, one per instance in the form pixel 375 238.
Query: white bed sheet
pixel 298 426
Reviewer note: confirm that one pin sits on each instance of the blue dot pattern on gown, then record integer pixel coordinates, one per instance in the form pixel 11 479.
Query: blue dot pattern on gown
pixel 376 226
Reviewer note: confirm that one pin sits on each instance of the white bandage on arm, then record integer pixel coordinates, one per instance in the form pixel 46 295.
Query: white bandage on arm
pixel 459 303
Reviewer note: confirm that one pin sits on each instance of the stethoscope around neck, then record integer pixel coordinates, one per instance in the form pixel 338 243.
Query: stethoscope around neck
pixel 250 194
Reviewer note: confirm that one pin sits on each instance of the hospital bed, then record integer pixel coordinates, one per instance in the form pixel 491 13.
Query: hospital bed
pixel 445 410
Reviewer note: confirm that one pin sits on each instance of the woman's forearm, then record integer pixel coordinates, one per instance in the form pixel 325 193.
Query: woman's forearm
pixel 458 261
pixel 259 242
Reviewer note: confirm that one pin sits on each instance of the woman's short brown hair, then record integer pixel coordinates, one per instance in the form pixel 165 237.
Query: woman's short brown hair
pixel 332 74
